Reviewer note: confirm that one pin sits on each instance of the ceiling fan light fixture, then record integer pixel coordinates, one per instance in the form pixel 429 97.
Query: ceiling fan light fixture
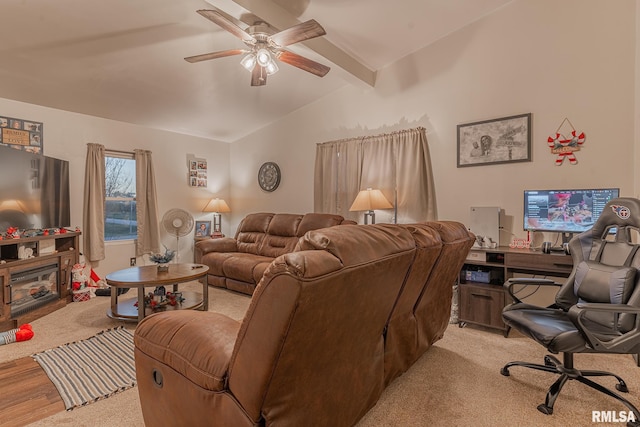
pixel 263 57
pixel 265 45
pixel 271 68
pixel 248 62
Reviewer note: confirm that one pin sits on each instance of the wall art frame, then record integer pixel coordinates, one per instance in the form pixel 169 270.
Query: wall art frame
pixel 495 141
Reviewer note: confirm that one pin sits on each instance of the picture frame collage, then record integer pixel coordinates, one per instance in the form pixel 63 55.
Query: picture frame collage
pixel 21 134
pixel 198 173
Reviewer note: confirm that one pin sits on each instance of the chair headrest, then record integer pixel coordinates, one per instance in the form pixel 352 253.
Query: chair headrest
pixel 620 212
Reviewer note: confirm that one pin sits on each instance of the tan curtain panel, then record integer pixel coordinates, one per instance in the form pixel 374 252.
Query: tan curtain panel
pixel 146 204
pixel 337 177
pixel 398 164
pixel 94 200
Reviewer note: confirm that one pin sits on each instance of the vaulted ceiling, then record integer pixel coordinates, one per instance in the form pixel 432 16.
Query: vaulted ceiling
pixel 123 59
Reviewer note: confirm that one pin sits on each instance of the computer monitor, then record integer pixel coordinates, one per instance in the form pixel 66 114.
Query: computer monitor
pixel 565 211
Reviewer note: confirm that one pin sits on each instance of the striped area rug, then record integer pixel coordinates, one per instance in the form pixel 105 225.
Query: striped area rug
pixel 92 369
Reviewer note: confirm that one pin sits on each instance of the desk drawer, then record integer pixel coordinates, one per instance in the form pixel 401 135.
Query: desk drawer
pixel 539 261
pixel 482 305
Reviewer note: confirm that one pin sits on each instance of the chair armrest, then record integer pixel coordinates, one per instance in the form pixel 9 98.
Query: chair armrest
pixel 526 281
pixel 601 339
pixel 196 344
pixel 224 244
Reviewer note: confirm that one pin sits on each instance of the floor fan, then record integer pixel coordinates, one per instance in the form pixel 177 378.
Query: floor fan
pixel 179 223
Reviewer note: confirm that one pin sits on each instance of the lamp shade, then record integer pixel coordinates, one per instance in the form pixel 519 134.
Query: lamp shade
pixel 12 205
pixel 369 199
pixel 217 205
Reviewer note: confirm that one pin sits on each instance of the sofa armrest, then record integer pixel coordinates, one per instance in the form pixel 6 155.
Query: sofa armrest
pixel 224 244
pixel 196 344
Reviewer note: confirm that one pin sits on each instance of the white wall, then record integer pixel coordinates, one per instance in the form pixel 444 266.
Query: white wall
pixel 66 134
pixel 554 59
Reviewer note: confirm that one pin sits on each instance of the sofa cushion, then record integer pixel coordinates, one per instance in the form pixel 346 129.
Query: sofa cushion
pixel 251 232
pixel 281 235
pixel 215 261
pixel 245 267
pixel 250 241
pixel 315 221
pixel 284 225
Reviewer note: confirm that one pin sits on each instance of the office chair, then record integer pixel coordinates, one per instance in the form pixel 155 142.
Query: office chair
pixel 595 311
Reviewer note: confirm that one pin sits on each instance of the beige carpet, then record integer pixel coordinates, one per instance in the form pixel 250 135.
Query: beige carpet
pixel 456 383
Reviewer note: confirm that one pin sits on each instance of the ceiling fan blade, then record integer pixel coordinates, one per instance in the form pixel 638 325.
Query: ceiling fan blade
pixel 304 31
pixel 303 63
pixel 258 76
pixel 217 18
pixel 214 55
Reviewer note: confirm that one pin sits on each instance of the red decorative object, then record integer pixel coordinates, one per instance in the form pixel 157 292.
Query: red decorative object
pixel 565 147
pixel 21 333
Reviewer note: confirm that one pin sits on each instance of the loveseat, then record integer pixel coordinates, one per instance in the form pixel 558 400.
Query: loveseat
pixel 238 263
pixel 329 325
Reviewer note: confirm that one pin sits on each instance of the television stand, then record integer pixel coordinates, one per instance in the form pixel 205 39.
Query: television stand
pixel 481 296
pixel 59 250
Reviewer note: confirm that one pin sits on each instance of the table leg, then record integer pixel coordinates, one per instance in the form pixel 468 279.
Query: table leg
pixel 141 307
pixel 205 295
pixel 114 301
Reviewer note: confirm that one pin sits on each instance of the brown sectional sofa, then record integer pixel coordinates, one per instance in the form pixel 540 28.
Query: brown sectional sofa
pixel 329 326
pixel 238 263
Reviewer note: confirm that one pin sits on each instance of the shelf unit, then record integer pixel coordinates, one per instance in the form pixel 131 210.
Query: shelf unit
pixel 61 249
pixel 482 303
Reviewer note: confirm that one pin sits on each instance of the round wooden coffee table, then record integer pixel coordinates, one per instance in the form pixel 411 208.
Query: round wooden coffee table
pixel 149 276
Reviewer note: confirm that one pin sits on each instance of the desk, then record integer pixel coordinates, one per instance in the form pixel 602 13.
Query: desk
pixel 482 303
pixel 148 276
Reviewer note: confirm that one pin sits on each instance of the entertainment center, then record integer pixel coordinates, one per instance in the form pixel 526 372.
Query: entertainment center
pixel 40 284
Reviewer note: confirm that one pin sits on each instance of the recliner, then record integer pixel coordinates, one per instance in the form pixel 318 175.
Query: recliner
pixel 597 310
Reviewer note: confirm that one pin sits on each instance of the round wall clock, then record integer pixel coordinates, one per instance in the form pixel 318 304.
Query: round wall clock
pixel 269 176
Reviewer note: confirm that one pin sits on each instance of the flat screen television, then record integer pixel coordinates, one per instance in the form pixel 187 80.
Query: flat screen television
pixel 565 211
pixel 34 191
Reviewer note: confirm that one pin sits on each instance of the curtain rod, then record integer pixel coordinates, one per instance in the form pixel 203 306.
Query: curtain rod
pixel 362 138
pixel 119 151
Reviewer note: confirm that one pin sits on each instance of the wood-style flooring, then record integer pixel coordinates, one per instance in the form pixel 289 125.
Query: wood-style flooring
pixel 27 393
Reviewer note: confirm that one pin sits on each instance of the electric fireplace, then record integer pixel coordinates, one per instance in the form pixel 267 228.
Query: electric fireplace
pixel 33 288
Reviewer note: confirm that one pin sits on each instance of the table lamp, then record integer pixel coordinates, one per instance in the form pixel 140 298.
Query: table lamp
pixel 217 206
pixel 368 200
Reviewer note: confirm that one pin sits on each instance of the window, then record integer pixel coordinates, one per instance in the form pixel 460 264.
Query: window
pixel 120 193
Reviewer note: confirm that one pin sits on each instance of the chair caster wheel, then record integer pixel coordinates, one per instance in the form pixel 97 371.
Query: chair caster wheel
pixel 622 387
pixel 633 424
pixel 504 371
pixel 548 362
pixel 545 409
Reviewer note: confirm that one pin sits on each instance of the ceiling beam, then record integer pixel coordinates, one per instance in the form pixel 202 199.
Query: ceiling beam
pixel 280 18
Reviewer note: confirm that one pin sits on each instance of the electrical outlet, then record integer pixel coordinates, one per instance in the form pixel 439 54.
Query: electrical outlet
pixel 132 262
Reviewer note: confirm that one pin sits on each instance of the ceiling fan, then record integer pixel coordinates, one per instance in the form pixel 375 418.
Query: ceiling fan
pixel 265 46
